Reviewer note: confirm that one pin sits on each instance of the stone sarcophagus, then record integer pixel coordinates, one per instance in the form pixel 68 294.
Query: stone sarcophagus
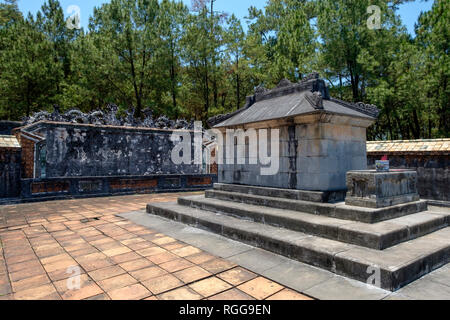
pixel 313 138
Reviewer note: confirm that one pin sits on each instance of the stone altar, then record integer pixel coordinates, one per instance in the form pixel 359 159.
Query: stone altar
pixel 372 189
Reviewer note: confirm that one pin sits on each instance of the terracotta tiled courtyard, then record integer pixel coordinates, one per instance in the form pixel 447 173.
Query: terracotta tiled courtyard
pixel 43 245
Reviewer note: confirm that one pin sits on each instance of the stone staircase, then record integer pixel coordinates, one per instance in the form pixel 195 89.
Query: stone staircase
pixel 403 242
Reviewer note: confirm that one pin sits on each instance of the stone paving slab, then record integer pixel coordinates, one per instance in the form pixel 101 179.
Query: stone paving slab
pixel 425 289
pixel 297 275
pixel 434 286
pixel 345 289
pixel 214 244
pixel 258 260
pixel 43 244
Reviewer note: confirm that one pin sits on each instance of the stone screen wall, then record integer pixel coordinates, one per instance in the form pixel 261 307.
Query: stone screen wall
pixel 74 150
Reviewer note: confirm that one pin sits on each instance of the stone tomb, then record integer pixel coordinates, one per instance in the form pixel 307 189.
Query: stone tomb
pixel 320 138
pixel 383 226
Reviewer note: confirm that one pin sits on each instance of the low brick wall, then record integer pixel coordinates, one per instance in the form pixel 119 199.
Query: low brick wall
pixel 75 187
pixel 28 154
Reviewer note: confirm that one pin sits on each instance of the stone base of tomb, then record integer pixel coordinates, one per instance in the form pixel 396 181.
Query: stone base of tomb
pixel 405 241
pixel 372 189
pixel 292 194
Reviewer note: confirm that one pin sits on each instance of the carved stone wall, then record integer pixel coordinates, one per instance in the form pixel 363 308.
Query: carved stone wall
pixel 75 150
pixel 110 117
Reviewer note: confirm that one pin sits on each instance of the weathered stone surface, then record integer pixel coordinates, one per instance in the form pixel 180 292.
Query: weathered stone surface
pixel 10 171
pixel 313 156
pixel 89 151
pixel 313 196
pixel 257 260
pixel 298 276
pixel 338 210
pixel 398 265
pixel 425 289
pixel 370 215
pixel 109 117
pixel 433 167
pixel 373 189
pixel 320 139
pixel 69 187
pixel 343 289
pixel 377 236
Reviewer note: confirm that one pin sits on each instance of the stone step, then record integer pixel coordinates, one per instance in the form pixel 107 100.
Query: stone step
pixel 396 266
pixel 338 210
pixel 379 236
pixel 304 195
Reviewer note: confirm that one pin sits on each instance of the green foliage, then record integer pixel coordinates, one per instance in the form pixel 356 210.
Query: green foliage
pixel 27 70
pixel 198 63
pixel 9 13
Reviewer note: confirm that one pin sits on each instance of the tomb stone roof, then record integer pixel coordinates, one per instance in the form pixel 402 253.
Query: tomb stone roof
pixel 288 100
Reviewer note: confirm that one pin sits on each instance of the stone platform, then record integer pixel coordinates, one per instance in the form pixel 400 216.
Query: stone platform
pixel 292 194
pixel 404 241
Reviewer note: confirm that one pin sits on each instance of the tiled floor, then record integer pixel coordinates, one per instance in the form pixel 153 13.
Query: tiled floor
pixel 43 246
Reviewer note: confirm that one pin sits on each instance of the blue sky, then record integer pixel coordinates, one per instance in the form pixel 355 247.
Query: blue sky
pixel 409 12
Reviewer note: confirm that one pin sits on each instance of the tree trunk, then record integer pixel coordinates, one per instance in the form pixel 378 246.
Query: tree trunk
pixel 391 132
pixel 135 86
pixel 416 127
pixel 238 84
pixel 28 98
pixel 173 82
pixel 206 89
pixel 354 78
